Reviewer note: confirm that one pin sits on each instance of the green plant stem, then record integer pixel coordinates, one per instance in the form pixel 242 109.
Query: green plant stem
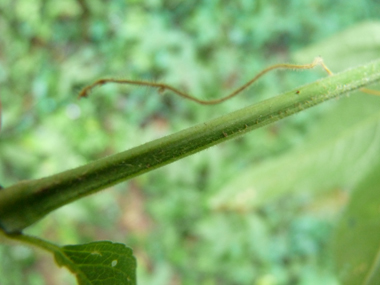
pixel 28 201
pixel 33 241
pixel 45 245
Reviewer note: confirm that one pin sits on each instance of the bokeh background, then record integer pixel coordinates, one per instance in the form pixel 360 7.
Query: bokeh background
pixel 196 221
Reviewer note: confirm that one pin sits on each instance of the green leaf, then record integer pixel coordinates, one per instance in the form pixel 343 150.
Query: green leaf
pixel 357 239
pixel 352 47
pixel 28 201
pixel 342 149
pixel 101 262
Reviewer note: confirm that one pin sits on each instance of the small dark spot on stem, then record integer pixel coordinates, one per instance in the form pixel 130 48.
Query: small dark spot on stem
pixel 297 92
pixel 161 89
pixel 102 81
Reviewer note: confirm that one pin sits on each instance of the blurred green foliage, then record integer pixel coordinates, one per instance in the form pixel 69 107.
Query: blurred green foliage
pixel 359 264
pixel 50 49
